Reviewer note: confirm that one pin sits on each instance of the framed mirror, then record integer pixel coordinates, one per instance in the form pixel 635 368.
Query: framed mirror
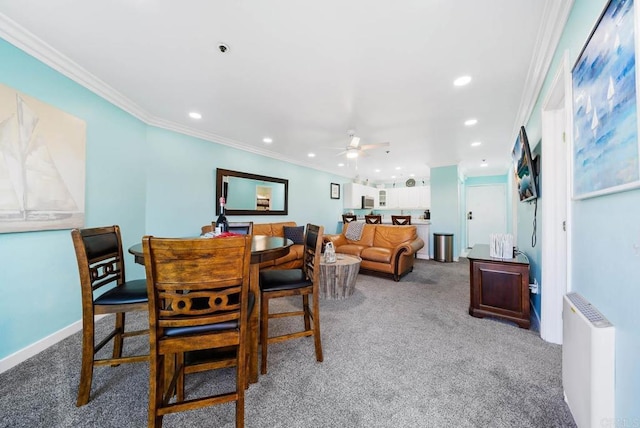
pixel 251 194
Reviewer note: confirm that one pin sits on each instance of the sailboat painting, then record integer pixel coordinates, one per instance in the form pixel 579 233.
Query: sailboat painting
pixel 606 150
pixel 42 165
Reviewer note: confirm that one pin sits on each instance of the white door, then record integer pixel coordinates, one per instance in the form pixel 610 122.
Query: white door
pixel 486 212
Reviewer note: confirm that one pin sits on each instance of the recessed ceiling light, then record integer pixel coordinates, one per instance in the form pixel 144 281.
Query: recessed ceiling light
pixel 377 170
pixel 340 164
pixel 470 122
pixel 398 168
pixel 393 176
pixel 312 155
pixel 195 115
pixel 484 163
pixel 267 140
pixel 462 80
pixel 476 143
pixel 412 175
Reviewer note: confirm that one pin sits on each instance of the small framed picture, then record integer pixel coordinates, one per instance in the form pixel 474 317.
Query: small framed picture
pixel 335 191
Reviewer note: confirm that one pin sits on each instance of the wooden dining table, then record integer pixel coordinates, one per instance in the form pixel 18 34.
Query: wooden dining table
pixel 263 248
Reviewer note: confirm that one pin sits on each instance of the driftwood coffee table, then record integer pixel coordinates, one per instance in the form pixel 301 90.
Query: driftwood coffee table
pixel 338 280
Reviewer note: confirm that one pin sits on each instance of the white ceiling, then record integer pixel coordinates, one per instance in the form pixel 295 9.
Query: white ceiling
pixel 304 73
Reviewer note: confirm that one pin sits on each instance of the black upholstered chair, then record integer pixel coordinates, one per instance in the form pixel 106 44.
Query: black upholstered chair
pixel 101 267
pixel 348 218
pixel 239 227
pixel 303 282
pixel 373 219
pixel 401 220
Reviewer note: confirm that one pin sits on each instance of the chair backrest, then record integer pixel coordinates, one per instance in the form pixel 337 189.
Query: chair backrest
pixel 373 219
pixel 196 282
pixel 100 260
pixel 239 227
pixel 347 218
pixel 401 219
pixel 312 252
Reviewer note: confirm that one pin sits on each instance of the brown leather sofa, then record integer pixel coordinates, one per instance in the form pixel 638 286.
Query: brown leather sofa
pixel 385 249
pixel 293 260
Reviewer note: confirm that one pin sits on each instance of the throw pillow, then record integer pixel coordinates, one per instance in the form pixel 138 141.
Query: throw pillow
pixel 296 234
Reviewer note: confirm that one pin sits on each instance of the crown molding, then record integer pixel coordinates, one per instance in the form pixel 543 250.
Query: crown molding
pixel 555 16
pixel 18 36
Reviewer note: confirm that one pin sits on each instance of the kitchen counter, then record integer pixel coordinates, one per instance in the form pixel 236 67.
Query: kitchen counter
pixel 387 220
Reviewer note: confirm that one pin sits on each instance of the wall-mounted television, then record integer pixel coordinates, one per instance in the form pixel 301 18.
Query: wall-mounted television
pixel 524 168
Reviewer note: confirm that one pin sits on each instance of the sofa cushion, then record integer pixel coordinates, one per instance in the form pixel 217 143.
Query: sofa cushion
pixel 392 236
pixel 272 229
pixel 366 239
pixel 296 234
pixel 353 249
pixel 262 229
pixel 295 252
pixel 377 254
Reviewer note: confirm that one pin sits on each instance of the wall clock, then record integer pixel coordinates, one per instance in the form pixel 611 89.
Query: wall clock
pixel 410 182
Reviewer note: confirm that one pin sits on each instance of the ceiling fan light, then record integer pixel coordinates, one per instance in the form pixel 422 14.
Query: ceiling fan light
pixel 352 154
pixel 355 141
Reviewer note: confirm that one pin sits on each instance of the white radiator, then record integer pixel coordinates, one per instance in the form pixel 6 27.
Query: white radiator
pixel 588 358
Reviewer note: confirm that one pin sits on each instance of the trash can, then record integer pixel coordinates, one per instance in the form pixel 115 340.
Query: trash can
pixel 443 247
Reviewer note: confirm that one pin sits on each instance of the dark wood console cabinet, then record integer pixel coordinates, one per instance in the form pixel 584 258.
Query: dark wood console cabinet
pixel 499 287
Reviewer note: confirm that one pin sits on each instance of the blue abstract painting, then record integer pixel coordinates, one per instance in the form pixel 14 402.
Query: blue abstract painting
pixel 605 147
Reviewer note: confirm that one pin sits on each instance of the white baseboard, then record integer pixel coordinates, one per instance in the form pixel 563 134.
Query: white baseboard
pixel 25 353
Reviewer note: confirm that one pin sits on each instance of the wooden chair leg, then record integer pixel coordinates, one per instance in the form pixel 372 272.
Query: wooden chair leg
pixel 305 309
pixel 86 370
pixel 156 389
pixel 316 328
pixel 168 372
pixel 241 383
pixel 118 338
pixel 264 333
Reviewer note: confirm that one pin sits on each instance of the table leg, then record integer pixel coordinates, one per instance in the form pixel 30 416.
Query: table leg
pixel 254 320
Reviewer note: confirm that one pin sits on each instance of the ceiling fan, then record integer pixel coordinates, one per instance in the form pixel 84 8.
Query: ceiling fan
pixel 354 149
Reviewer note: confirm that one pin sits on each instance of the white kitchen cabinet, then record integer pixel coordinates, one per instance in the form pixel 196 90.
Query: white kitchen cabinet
pixel 393 198
pixel 406 197
pixel 423 232
pixel 353 193
pixel 424 197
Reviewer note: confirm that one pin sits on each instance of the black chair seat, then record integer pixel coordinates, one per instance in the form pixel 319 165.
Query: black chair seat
pixel 283 279
pixel 210 328
pixel 131 292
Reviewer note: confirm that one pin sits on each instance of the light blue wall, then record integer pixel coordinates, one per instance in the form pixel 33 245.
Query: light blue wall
pixel 181 185
pixel 445 209
pixel 38 273
pixel 147 180
pixel 605 231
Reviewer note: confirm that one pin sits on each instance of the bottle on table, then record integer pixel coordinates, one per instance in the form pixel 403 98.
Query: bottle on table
pixel 221 221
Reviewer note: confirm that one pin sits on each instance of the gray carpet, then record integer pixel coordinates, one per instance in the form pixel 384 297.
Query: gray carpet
pixel 401 354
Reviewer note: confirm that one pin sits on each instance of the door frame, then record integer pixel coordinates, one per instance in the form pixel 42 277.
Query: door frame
pixel 556 207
